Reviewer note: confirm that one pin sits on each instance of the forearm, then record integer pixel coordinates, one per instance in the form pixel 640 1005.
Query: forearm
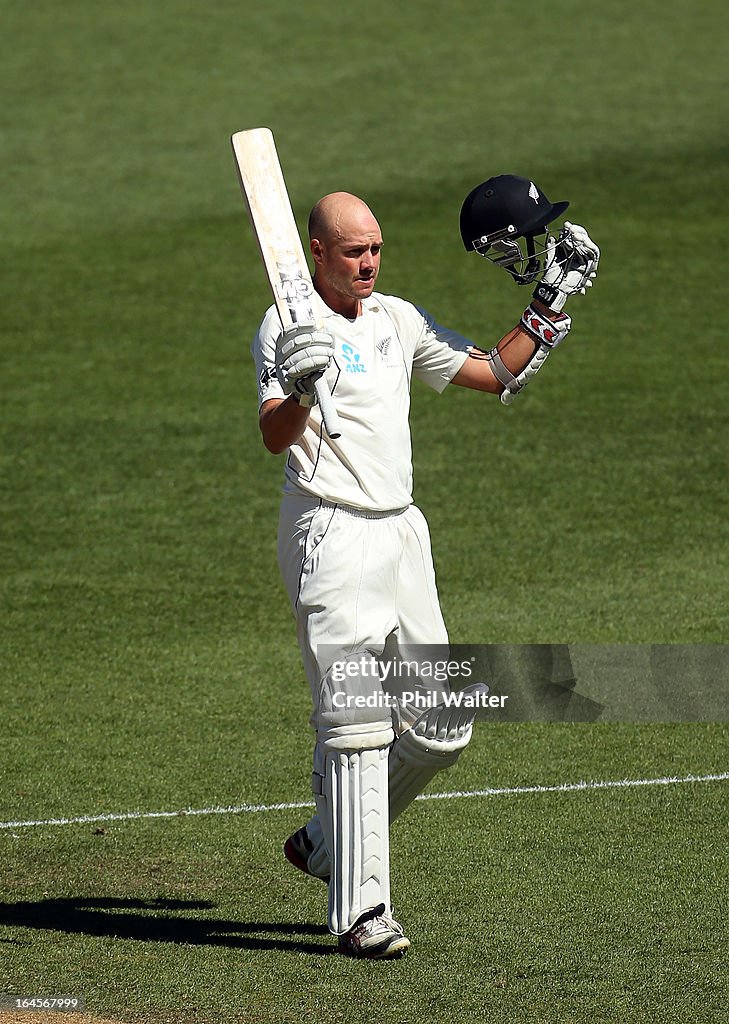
pixel 282 422
pixel 516 348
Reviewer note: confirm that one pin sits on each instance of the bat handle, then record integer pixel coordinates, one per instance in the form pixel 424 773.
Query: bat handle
pixel 328 412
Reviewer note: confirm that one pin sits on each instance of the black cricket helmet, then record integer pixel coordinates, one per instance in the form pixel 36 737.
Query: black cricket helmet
pixel 498 213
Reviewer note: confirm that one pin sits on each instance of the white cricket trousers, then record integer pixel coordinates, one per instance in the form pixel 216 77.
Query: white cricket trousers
pixel 357 581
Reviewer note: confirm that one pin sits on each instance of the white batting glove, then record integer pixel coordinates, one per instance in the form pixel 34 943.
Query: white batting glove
pixel 302 355
pixel 571 266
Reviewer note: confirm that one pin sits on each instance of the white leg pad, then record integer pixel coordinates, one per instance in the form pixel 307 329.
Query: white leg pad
pixel 353 811
pixel 434 742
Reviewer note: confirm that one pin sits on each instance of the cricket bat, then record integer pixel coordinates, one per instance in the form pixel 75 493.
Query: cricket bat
pixel 264 190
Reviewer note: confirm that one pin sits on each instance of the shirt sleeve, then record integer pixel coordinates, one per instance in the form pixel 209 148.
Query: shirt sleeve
pixel 263 350
pixel 439 353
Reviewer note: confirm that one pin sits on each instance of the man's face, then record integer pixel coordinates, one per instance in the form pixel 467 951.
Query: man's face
pixel 348 263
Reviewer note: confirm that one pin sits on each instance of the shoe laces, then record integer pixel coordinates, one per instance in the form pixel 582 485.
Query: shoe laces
pixel 379 921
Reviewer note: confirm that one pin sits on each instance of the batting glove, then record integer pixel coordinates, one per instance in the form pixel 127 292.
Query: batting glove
pixel 571 267
pixel 302 355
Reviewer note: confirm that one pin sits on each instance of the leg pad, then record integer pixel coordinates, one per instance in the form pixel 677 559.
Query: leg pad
pixel 353 811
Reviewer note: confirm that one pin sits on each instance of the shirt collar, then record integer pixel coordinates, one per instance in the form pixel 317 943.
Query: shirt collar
pixel 370 305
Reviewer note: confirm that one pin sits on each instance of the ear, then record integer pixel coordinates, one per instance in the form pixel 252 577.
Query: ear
pixel 317 250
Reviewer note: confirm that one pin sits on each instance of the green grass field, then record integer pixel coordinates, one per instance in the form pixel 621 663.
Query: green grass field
pixel 149 660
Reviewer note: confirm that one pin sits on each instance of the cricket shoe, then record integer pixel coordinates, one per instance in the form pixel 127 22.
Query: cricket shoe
pixel 375 936
pixel 298 849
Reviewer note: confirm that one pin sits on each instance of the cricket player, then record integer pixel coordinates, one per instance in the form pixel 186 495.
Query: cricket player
pixel 354 551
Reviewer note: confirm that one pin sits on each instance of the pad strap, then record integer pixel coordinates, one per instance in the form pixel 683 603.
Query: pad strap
pixel 499 369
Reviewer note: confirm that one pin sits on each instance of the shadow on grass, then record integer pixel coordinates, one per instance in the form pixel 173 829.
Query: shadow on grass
pixel 160 920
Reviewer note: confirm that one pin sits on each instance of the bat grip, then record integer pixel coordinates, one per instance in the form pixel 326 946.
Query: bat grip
pixel 328 412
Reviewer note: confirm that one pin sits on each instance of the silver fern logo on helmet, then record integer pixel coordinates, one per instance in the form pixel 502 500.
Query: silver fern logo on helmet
pixel 505 219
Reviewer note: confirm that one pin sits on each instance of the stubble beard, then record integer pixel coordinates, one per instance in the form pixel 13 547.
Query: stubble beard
pixel 351 289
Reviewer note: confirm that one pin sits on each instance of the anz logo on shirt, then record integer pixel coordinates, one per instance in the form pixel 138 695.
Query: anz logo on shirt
pixel 353 359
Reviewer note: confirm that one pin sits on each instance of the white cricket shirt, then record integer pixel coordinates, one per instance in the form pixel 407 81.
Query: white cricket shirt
pixel 370 465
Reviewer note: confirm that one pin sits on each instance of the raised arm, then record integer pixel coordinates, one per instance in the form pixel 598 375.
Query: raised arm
pixel 516 350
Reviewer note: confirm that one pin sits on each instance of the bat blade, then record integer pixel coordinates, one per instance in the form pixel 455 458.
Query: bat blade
pixel 269 208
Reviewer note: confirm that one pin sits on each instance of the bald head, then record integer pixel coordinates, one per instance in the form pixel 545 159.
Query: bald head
pixel 340 214
pixel 345 241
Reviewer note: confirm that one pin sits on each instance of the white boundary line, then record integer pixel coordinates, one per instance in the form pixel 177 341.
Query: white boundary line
pixel 565 787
